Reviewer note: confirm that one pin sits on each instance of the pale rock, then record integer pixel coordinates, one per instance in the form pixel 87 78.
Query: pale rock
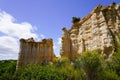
pixel 94 31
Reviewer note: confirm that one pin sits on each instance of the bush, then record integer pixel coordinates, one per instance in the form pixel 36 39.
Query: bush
pixel 89 65
pixel 75 20
pixel 38 72
pixel 7 69
pixel 91 62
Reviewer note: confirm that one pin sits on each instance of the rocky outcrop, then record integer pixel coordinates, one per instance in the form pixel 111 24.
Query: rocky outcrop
pixel 32 52
pixel 97 30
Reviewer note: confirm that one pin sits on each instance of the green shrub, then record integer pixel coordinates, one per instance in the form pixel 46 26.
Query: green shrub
pixel 91 62
pixel 90 65
pixel 7 69
pixel 75 20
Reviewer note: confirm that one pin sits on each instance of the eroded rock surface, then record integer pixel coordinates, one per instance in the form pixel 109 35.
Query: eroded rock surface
pixel 97 30
pixel 32 52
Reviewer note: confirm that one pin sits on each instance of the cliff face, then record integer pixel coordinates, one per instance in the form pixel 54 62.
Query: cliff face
pixel 32 52
pixel 95 31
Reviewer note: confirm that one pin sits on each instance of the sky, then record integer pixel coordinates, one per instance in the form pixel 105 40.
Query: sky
pixel 39 19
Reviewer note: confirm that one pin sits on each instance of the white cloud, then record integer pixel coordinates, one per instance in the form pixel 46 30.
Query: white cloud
pixel 59 41
pixel 56 49
pixel 54 46
pixel 19 30
pixel 57 46
pixel 11 32
pixel 42 36
pixel 8 47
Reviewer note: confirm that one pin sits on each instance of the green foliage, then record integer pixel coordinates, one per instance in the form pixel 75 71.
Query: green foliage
pixel 38 72
pixel 117 43
pixel 64 65
pixel 110 75
pixel 75 19
pixel 114 63
pixel 7 69
pixel 90 65
pixel 91 62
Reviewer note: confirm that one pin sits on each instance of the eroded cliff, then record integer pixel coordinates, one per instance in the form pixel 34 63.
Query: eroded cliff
pixel 97 30
pixel 32 52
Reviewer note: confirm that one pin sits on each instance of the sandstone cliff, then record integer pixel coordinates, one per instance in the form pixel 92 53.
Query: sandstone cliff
pixel 32 52
pixel 97 30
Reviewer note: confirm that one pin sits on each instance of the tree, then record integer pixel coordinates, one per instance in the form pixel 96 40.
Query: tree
pixel 91 62
pixel 75 20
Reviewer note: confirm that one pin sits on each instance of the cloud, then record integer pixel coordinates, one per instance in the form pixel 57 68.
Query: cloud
pixel 59 41
pixel 57 46
pixel 18 30
pixel 11 32
pixel 42 36
pixel 54 46
pixel 8 47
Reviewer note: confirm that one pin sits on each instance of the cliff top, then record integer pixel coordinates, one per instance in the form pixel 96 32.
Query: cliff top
pixel 95 10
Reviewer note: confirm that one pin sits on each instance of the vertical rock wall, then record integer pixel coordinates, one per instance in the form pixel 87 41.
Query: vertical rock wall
pixel 97 30
pixel 32 52
pixel 66 43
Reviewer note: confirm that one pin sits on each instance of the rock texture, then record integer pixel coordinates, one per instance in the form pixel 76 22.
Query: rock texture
pixel 97 30
pixel 32 52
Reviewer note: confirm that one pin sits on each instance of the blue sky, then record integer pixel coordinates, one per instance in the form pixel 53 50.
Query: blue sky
pixel 39 19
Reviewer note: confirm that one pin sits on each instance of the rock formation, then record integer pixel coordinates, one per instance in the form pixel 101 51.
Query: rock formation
pixel 97 30
pixel 32 52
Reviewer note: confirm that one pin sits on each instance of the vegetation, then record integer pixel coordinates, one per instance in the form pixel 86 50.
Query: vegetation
pixel 75 20
pixel 7 69
pixel 90 65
